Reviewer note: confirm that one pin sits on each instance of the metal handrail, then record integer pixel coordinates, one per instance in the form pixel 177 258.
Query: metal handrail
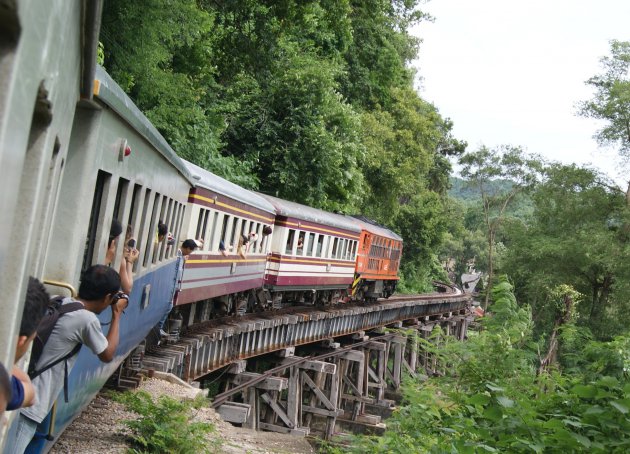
pixel 73 292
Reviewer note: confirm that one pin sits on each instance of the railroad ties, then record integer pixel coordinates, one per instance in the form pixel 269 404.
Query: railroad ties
pixel 349 363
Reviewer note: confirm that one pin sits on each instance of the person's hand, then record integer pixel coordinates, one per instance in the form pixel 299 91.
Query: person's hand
pixel 120 306
pixel 131 255
pixel 111 252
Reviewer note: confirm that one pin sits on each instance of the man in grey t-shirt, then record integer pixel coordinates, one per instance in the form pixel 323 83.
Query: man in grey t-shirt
pixel 98 290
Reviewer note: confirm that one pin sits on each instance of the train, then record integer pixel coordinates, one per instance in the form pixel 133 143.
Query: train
pixel 77 153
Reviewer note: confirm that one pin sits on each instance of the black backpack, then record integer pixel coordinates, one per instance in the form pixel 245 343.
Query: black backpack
pixel 45 328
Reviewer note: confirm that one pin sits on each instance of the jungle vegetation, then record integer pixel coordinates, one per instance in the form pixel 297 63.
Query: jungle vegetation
pixel 314 101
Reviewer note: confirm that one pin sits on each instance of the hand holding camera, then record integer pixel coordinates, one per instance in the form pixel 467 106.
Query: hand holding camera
pixel 120 301
pixel 131 254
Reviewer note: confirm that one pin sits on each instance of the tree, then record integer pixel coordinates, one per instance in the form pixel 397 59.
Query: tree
pixel 611 101
pixel 577 236
pixel 484 166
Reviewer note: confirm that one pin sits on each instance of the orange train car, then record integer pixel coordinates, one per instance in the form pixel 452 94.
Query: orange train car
pixel 378 262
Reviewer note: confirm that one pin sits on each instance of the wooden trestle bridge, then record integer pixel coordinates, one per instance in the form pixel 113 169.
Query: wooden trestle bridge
pixel 307 369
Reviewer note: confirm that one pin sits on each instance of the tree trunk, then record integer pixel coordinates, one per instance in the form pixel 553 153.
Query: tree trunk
pixel 552 353
pixel 490 270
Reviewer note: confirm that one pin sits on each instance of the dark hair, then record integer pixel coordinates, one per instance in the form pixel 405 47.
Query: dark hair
pixel 97 282
pixel 162 228
pixel 267 230
pixel 244 239
pixel 35 305
pixel 5 385
pixel 190 244
pixel 114 231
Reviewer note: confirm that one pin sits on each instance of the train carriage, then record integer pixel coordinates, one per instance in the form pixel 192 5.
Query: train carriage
pixel 378 260
pixel 117 167
pixel 312 254
pixel 220 213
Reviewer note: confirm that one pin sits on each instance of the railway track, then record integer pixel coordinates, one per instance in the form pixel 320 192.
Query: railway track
pixel 211 345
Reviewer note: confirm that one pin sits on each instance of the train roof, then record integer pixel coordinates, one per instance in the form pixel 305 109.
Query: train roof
pixel 109 92
pixel 375 228
pixel 306 213
pixel 215 183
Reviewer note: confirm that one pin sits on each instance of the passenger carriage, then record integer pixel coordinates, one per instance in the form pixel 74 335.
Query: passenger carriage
pixel 312 255
pixel 378 261
pixel 220 213
pixel 117 167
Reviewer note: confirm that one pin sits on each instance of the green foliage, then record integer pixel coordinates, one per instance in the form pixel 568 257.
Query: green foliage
pixel 311 101
pixel 576 236
pixel 166 425
pixel 611 101
pixel 493 400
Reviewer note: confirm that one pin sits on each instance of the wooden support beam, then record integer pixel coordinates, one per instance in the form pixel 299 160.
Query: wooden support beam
pixel 237 367
pixel 269 383
pixel 300 431
pixel 234 412
pixel 286 352
pixel 318 392
pixel 319 366
pixel 278 410
pixel 322 411
pixel 294 397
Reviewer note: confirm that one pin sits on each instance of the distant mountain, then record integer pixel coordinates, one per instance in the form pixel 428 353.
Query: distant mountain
pixel 521 207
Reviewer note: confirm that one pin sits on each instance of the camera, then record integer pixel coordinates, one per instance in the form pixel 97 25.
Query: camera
pixel 131 243
pixel 119 296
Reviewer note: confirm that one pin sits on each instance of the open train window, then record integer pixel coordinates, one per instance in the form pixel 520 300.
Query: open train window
pixel 96 217
pixel 159 246
pixel 214 216
pixel 151 233
pixel 311 244
pixel 320 245
pixel 134 208
pixel 179 220
pixel 334 248
pixel 290 238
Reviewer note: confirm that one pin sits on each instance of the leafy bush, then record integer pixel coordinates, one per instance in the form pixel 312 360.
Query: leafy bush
pixel 165 425
pixel 494 398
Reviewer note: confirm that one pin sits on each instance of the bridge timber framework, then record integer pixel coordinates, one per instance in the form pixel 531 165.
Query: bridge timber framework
pixel 351 361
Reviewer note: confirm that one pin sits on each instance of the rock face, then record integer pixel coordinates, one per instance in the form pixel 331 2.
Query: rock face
pixel 100 428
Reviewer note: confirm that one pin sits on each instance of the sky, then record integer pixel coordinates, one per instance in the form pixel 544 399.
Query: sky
pixel 511 72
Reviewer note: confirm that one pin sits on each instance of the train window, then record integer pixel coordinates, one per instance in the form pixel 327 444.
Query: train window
pixel 165 249
pixel 121 191
pixel 102 182
pixel 255 246
pixel 320 245
pixel 151 235
pixel 144 224
pixel 325 244
pixel 178 227
pixel 233 232
pixel 208 236
pixel 300 243
pixel 334 248
pixel 200 219
pixel 134 208
pixel 159 246
pixel 311 244
pixel 354 250
pixel 290 238
pixel 227 225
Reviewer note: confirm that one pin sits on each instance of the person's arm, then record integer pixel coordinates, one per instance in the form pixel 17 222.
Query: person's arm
pixel 111 252
pixel 112 336
pixel 29 389
pixel 126 269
